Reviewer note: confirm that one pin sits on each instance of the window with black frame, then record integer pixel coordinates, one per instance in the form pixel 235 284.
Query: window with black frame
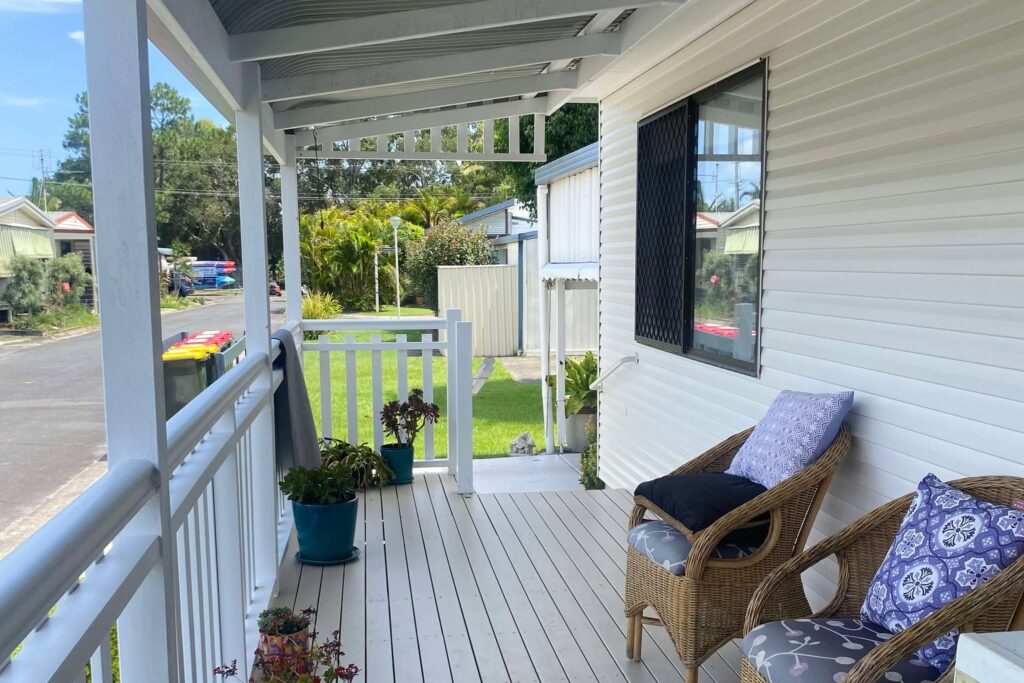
pixel 700 166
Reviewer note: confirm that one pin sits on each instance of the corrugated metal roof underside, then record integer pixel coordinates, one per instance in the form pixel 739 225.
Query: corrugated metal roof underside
pixel 422 48
pixel 242 16
pixel 413 86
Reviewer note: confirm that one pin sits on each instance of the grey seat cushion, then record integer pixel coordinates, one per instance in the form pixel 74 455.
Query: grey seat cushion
pixel 667 546
pixel 824 651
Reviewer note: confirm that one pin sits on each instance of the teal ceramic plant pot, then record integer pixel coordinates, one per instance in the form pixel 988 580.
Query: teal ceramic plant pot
pixel 400 458
pixel 326 533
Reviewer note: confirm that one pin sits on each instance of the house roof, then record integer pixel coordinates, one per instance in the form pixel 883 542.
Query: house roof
pixel 486 211
pixel 13 204
pixel 70 222
pixel 573 162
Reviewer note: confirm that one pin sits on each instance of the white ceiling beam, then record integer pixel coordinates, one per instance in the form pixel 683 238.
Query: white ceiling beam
pixel 397 124
pixel 637 26
pixel 300 117
pixel 397 26
pixel 598 24
pixel 341 80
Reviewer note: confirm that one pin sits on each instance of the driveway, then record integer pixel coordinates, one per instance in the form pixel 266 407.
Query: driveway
pixel 52 440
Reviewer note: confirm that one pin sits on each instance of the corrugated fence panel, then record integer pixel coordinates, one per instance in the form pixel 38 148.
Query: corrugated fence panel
pixel 894 235
pixel 488 297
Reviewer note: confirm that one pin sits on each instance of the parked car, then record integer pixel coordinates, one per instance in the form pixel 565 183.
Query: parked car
pixel 275 289
pixel 183 286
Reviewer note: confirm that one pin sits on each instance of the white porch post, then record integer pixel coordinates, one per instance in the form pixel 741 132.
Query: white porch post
pixel 544 314
pixel 252 214
pixel 290 232
pixel 560 359
pixel 453 316
pixel 117 69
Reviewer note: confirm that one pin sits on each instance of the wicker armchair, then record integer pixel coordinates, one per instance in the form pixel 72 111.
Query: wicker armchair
pixel 996 605
pixel 704 608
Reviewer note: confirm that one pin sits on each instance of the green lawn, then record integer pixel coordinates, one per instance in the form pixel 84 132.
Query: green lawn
pixel 502 410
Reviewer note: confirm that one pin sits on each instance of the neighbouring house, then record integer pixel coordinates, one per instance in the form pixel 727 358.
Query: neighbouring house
pixel 815 196
pixel 25 230
pixel 505 218
pixel 72 234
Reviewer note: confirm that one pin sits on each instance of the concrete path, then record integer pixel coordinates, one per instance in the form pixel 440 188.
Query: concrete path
pixel 523 368
pixel 51 417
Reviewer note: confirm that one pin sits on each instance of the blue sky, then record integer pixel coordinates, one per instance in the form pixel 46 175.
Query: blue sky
pixel 45 68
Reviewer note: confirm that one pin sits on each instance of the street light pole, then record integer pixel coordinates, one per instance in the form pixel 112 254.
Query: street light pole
pixel 395 222
pixel 376 280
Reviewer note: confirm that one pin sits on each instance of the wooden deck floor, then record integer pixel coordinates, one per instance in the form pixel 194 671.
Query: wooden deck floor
pixel 495 587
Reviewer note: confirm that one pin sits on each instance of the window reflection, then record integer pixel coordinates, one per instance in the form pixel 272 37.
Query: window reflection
pixel 728 222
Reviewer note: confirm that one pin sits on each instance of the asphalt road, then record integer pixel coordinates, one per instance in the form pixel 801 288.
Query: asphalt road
pixel 51 416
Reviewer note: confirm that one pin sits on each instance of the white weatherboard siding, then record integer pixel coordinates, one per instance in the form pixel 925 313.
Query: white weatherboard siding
pixel 894 245
pixel 573 216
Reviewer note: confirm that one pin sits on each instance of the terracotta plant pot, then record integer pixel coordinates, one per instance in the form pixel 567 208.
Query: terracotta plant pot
pixel 291 649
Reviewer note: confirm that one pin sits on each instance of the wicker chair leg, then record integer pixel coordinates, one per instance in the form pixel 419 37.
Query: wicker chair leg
pixel 637 630
pixel 692 674
pixel 631 635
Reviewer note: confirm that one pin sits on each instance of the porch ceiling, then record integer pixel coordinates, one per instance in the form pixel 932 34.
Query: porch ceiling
pixel 318 58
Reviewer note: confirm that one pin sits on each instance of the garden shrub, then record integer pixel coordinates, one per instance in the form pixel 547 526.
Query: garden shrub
pixel 66 279
pixel 26 290
pixel 446 245
pixel 319 306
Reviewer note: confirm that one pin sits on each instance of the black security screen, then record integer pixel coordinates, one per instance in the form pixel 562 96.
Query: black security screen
pixel 661 201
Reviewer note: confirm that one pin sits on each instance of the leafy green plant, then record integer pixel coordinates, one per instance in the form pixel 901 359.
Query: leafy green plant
pixel 25 290
pixel 323 485
pixel 282 621
pixel 588 462
pixel 446 245
pixel 404 420
pixel 319 306
pixel 368 467
pixel 66 279
pixel 580 373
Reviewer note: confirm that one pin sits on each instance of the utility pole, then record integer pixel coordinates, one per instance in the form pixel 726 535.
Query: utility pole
pixel 42 176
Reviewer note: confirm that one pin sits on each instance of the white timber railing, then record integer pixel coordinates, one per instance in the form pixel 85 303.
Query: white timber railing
pixel 64 588
pixel 337 342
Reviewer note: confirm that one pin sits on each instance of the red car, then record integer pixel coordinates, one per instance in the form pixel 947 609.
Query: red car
pixel 275 289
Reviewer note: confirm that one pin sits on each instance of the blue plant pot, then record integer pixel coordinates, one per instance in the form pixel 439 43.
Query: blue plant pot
pixel 400 458
pixel 326 533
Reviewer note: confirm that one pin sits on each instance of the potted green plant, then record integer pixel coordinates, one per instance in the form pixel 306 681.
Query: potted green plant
pixel 284 634
pixel 368 467
pixel 580 399
pixel 404 421
pixel 324 506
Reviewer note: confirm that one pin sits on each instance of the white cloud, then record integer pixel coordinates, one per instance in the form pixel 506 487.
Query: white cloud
pixel 39 6
pixel 78 37
pixel 8 100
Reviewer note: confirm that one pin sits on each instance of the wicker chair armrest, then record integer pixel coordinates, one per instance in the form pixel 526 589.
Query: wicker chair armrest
pixel 818 473
pixel 837 545
pixel 960 613
pixel 642 505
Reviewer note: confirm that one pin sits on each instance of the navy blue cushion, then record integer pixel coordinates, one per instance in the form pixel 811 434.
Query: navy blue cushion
pixel 698 500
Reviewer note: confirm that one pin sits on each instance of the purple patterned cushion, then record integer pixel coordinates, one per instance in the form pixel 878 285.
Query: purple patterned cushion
pixel 795 431
pixel 949 543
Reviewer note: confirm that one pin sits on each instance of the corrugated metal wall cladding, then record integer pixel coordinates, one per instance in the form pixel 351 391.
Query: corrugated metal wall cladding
pixel 574 212
pixel 893 246
pixel 489 297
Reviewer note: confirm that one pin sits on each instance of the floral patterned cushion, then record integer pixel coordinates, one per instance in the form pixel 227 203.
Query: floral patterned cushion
pixel 795 431
pixel 823 651
pixel 667 546
pixel 949 543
